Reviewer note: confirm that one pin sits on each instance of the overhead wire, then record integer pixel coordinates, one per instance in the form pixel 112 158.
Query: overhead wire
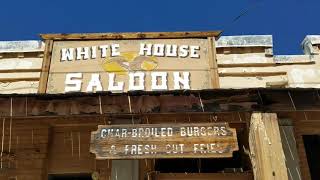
pixel 244 12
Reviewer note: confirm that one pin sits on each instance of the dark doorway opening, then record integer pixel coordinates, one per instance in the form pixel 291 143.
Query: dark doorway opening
pixel 213 165
pixel 312 147
pixel 70 177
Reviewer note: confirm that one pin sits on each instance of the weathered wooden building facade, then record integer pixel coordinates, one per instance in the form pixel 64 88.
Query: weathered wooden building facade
pixel 188 105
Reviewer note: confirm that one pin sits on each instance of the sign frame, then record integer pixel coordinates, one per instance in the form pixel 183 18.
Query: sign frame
pixel 50 39
pixel 215 140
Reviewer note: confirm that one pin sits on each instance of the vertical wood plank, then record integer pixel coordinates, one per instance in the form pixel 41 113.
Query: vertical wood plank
pixel 301 128
pixel 103 169
pixel 266 152
pixel 213 63
pixel 46 158
pixel 45 66
pixel 146 167
pixel 303 161
pixel 290 150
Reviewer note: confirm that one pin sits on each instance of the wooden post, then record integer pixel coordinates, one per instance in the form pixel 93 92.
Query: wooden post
pixel 213 63
pixel 45 67
pixel 266 153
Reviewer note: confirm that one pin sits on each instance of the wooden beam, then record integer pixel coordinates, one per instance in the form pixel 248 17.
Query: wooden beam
pixel 246 74
pixel 277 84
pixel 4 80
pixel 45 67
pixel 137 35
pixel 266 152
pixel 213 63
pixel 263 64
pixel 246 65
pixel 31 54
pixel 19 70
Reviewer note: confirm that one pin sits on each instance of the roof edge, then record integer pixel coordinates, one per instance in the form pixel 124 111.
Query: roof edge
pixel 131 35
pixel 156 93
pixel 21 46
pixel 245 41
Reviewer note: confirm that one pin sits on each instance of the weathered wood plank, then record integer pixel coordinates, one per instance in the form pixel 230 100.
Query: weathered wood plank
pixel 19 70
pixel 264 41
pixel 27 151
pixel 303 161
pixel 138 35
pixel 252 82
pixel 19 75
pixel 193 67
pixel 222 65
pixel 5 80
pixel 45 67
pixel 117 105
pixel 266 152
pixel 277 84
pixel 294 59
pixel 163 141
pixel 259 60
pixel 69 151
pixel 245 74
pixel 213 63
pixel 244 58
pixel 290 151
pixel 20 87
pixel 21 46
pixel 20 64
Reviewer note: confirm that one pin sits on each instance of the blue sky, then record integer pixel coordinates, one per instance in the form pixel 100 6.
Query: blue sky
pixel 289 21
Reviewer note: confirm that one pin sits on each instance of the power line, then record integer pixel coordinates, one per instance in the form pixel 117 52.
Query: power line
pixel 242 13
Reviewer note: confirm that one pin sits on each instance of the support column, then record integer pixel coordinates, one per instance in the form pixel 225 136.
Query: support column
pixel 266 152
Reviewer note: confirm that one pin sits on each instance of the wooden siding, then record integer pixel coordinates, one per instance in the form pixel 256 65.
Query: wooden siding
pixel 242 62
pixel 20 87
pixel 290 151
pixel 20 66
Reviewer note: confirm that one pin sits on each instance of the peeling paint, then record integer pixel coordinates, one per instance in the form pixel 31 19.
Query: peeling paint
pixel 26 63
pixel 238 59
pixel 13 64
pixel 245 41
pixel 21 46
pixel 298 75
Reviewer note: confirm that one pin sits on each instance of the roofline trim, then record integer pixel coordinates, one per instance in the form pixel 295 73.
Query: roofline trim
pixel 131 35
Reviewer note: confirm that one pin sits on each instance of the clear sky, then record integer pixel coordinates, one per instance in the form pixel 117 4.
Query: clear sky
pixel 289 21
